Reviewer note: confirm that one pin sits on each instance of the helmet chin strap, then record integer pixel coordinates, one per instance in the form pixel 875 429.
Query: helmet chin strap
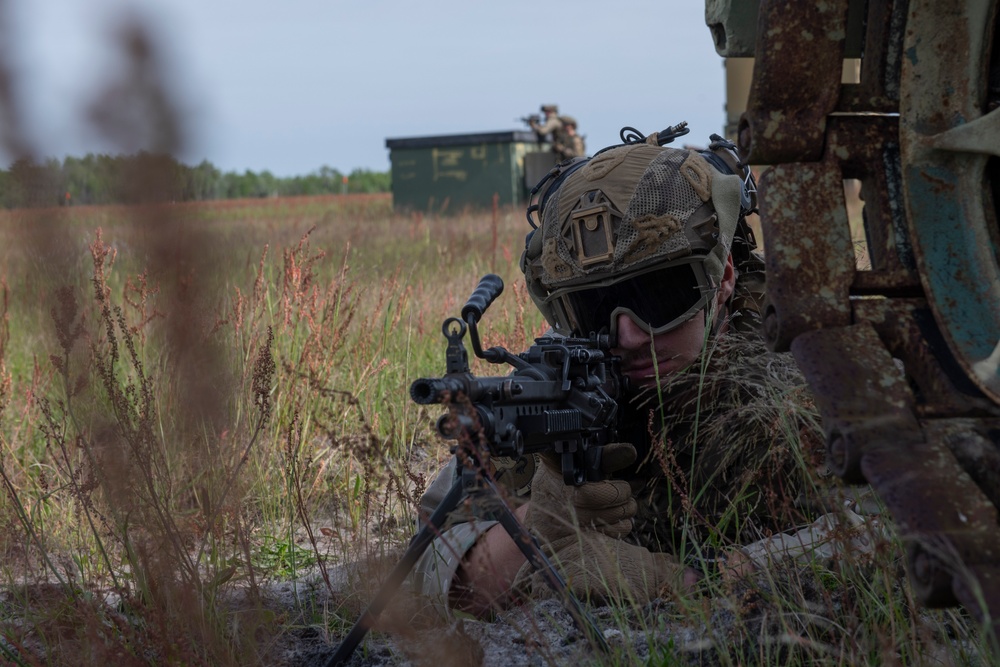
pixel 721 321
pixel 721 316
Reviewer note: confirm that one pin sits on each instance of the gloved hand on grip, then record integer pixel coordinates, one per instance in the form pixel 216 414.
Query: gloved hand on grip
pixel 557 510
pixel 580 529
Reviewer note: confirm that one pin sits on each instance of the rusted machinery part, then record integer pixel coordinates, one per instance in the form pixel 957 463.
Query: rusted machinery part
pixel 904 355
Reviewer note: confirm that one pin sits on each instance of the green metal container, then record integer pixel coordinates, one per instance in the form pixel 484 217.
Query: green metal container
pixel 462 171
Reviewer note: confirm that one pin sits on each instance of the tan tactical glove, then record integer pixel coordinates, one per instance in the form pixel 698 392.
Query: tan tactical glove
pixel 557 510
pixel 580 530
pixel 603 569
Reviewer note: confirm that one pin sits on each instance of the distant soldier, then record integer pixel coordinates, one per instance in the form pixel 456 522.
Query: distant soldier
pixel 560 131
pixel 566 143
pixel 546 129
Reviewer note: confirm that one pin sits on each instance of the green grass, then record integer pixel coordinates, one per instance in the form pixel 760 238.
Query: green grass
pixel 197 400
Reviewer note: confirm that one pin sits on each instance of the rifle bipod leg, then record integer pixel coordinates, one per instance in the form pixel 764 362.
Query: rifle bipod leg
pixel 528 545
pixel 418 545
pixel 524 540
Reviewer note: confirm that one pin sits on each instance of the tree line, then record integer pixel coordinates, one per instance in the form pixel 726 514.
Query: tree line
pixel 147 177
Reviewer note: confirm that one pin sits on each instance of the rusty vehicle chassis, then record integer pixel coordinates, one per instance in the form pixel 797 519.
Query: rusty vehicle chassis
pixel 903 354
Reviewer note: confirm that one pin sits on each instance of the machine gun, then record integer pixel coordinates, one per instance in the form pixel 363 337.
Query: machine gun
pixel 561 399
pixel 533 119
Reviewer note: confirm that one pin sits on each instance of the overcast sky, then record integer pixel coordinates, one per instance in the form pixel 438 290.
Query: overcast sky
pixel 293 85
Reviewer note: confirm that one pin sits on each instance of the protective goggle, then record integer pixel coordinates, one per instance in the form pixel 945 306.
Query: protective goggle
pixel 657 300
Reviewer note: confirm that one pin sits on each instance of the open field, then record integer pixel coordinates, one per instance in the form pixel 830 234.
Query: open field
pixel 150 448
pixel 199 402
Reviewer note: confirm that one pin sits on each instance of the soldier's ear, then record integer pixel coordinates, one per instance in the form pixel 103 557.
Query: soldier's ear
pixel 727 285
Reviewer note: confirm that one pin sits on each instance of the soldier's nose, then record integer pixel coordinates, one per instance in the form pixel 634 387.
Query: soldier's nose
pixel 630 335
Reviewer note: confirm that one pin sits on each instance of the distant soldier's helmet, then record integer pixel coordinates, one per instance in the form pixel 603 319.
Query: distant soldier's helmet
pixel 568 121
pixel 546 108
pixel 640 229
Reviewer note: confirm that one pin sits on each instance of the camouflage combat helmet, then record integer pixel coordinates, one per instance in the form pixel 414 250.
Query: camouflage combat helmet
pixel 639 228
pixel 549 107
pixel 568 121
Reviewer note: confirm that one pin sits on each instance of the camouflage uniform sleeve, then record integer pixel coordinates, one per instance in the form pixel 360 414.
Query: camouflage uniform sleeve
pixel 436 568
pixel 548 126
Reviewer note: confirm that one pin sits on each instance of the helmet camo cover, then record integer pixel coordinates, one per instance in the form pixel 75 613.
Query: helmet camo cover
pixel 628 210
